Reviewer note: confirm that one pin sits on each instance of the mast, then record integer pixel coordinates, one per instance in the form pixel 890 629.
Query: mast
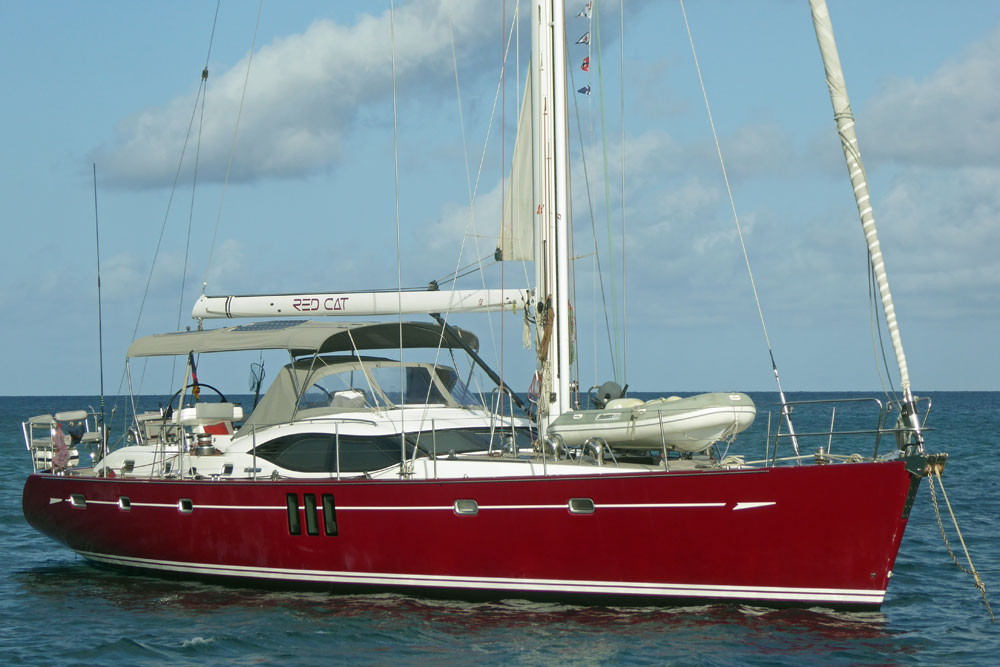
pixel 849 142
pixel 563 215
pixel 552 187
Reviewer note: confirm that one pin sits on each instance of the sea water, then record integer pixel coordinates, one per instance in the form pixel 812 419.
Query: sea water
pixel 56 609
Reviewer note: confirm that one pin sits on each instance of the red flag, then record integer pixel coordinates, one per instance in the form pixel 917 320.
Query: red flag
pixel 585 65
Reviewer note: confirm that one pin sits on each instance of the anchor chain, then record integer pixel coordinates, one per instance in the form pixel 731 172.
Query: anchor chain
pixel 972 568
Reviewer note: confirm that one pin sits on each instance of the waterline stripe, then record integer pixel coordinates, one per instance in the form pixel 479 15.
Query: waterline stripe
pixel 854 596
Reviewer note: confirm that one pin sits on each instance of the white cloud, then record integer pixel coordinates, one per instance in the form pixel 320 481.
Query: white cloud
pixel 304 94
pixel 950 118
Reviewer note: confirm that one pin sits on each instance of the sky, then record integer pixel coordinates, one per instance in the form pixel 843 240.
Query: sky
pixel 301 193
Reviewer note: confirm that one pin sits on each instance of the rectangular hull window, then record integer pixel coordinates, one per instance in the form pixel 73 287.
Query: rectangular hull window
pixel 312 524
pixel 292 502
pixel 329 515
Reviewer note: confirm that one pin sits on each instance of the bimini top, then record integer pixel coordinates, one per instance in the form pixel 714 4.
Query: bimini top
pixel 301 337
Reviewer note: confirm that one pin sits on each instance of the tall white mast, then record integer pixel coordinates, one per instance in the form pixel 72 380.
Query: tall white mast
pixel 563 214
pixel 849 142
pixel 552 188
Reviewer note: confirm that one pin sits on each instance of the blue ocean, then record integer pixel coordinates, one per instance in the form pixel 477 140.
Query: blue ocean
pixel 58 610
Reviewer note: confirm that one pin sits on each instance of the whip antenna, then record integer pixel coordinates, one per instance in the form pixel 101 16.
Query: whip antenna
pixel 100 332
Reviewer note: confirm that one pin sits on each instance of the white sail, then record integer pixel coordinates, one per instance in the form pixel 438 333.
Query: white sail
pixel 517 236
pixel 358 304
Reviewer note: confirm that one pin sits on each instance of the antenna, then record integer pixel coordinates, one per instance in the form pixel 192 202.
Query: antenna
pixel 100 331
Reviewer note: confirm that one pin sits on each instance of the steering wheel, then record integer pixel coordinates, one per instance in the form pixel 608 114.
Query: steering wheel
pixel 201 385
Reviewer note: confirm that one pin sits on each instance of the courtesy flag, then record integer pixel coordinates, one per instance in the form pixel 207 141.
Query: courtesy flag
pixel 196 390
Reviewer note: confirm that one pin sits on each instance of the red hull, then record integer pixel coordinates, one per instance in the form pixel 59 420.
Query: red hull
pixel 798 535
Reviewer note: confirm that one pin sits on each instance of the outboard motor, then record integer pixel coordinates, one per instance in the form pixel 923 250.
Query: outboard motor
pixel 608 391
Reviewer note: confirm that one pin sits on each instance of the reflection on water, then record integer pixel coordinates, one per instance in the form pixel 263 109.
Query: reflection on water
pixel 204 617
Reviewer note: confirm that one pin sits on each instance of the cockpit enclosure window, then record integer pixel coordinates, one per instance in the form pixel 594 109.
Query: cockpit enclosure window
pixel 347 390
pixel 467 441
pixel 459 391
pixel 414 386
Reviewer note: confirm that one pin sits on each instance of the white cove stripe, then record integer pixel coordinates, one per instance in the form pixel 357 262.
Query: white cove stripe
pixel 411 508
pixel 771 593
pixel 750 506
pixel 561 506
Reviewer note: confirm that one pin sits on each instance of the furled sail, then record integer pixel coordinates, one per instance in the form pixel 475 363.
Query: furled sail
pixel 517 232
pixel 852 153
pixel 849 140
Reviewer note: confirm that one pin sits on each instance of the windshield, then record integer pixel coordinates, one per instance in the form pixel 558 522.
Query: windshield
pixel 347 389
pixel 459 391
pixel 413 386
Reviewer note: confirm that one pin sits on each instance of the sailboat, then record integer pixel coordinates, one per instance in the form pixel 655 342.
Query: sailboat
pixel 371 464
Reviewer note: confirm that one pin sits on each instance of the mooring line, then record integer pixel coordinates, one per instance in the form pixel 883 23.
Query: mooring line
pixel 972 568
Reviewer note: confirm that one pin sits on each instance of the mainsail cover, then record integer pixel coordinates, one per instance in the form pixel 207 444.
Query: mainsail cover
pixel 517 240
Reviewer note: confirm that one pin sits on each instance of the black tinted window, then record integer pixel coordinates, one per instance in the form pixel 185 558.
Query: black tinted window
pixel 314 452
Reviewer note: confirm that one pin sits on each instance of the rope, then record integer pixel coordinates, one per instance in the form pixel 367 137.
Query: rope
pixel 972 568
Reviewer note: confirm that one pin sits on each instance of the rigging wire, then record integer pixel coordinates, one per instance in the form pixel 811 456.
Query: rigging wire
pixel 100 319
pixel 203 93
pixel 873 309
pixel 163 225
pixel 232 148
pixel 458 273
pixel 399 259
pixel 739 230
pixel 612 271
pixel 474 190
pixel 621 42
pixel 593 228
pixel 467 270
pixel 503 173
